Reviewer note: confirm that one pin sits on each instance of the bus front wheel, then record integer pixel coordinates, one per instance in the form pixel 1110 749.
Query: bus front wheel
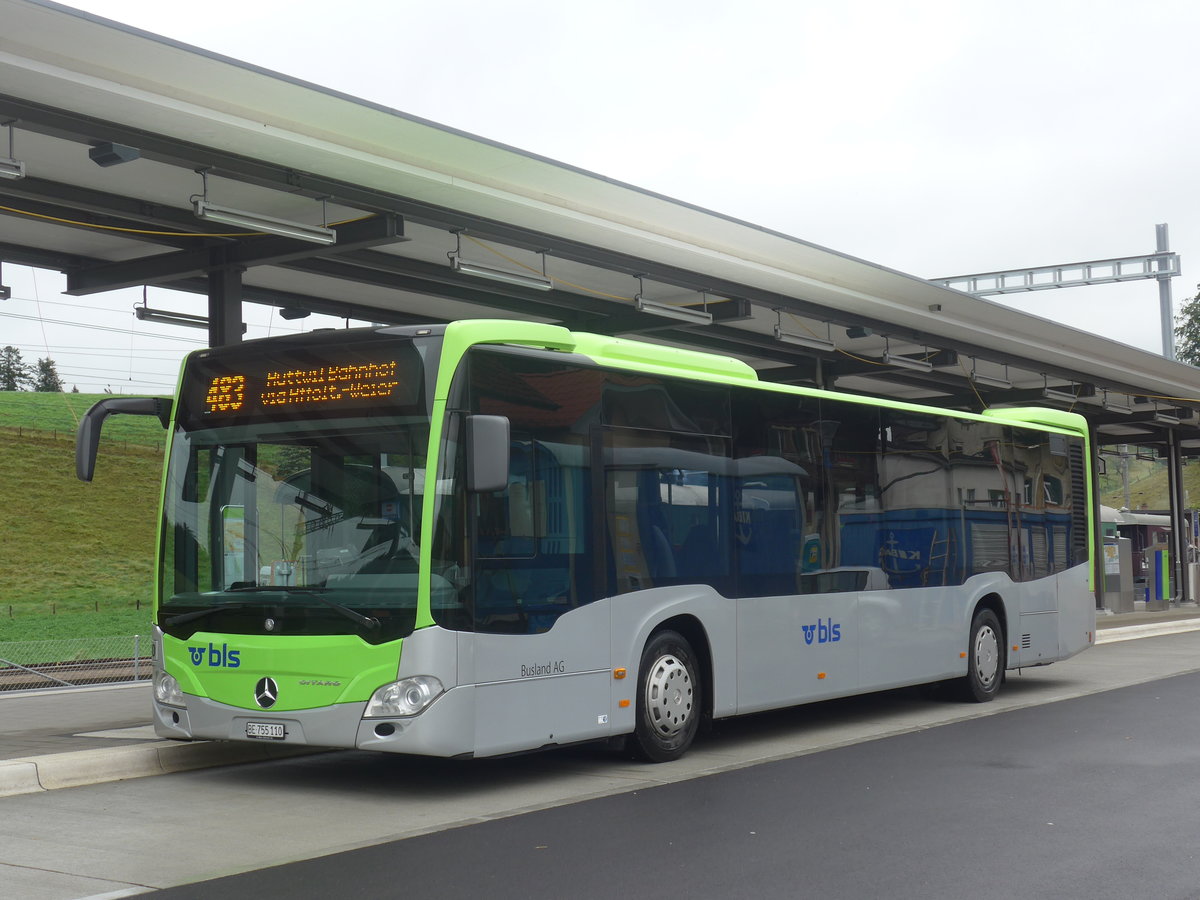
pixel 668 699
pixel 985 658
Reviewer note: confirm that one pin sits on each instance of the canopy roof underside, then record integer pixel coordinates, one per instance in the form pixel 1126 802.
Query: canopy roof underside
pixel 410 194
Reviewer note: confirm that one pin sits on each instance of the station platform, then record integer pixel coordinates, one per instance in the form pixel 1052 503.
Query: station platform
pixel 70 737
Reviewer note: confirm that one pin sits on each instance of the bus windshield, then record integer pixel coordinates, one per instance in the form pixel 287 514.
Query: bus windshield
pixel 315 527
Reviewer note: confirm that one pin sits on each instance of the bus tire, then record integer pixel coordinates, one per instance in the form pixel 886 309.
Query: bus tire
pixel 985 658
pixel 668 699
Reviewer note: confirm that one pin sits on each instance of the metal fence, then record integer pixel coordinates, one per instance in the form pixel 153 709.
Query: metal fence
pixel 78 661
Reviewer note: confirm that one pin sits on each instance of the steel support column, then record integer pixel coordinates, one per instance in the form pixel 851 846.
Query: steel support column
pixel 224 302
pixel 1179 590
pixel 1097 560
pixel 1166 314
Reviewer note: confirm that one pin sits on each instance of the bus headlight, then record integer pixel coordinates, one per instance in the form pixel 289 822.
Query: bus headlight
pixel 166 690
pixel 405 697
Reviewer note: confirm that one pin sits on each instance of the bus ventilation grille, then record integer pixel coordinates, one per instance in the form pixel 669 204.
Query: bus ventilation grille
pixel 1026 641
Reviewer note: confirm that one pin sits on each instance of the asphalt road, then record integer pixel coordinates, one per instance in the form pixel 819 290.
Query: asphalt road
pixel 1096 797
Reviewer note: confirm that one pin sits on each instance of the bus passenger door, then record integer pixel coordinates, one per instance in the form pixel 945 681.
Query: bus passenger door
pixel 539 650
pixel 798 635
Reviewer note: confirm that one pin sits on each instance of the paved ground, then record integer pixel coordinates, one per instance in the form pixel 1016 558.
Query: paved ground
pixel 75 736
pixel 993 808
pixel 121 838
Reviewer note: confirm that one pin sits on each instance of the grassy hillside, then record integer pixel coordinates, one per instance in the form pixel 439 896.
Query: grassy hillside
pixel 57 415
pixel 1147 484
pixel 75 558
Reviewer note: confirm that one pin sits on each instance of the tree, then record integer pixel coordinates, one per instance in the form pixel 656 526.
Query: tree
pixel 46 378
pixel 14 374
pixel 1187 331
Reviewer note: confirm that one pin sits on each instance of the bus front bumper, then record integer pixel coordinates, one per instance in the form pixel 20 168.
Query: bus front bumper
pixel 445 728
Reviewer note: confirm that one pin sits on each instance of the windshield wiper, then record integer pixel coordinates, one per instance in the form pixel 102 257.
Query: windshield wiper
pixel 369 622
pixel 195 614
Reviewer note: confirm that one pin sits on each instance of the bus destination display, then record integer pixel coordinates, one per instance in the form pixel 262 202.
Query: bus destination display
pixel 283 389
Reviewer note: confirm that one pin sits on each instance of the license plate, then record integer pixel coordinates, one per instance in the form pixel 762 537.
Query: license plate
pixel 271 731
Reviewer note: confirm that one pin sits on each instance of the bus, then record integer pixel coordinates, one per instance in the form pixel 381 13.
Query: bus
pixel 490 537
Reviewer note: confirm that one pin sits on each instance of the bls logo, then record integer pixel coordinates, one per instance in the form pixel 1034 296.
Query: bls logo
pixel 218 657
pixel 825 632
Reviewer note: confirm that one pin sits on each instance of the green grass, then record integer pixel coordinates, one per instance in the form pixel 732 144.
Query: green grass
pixel 40 626
pixel 57 416
pixel 76 560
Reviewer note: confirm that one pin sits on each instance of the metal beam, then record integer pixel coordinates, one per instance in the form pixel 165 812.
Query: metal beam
pixel 1040 278
pixel 267 250
pixel 130 211
pixel 21 255
pixel 263 296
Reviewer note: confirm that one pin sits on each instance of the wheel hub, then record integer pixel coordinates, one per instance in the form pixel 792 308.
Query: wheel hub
pixel 669 696
pixel 987 655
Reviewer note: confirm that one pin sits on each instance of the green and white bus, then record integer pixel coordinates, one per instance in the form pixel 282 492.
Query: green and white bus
pixel 491 537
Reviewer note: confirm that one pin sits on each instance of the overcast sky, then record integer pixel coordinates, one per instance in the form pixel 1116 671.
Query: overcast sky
pixel 937 138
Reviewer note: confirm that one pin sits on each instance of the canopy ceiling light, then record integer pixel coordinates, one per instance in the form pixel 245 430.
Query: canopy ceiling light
pixel 146 314
pixel 681 313
pixel 991 380
pixel 1163 417
pixel 491 273
pixel 669 311
pixel 240 218
pixel 1114 406
pixel 166 317
pixel 1061 396
pixel 478 270
pixel 812 342
pixel 9 166
pixel 906 362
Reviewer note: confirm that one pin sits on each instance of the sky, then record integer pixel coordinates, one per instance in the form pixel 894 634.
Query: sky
pixel 937 138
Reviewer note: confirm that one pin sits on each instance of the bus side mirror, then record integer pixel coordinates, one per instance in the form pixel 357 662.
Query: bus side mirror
pixel 487 453
pixel 87 439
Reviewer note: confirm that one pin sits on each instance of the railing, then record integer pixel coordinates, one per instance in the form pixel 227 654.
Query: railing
pixel 25 665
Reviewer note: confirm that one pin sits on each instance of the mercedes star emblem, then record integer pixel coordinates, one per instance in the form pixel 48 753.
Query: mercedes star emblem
pixel 266 692
pixel 269 624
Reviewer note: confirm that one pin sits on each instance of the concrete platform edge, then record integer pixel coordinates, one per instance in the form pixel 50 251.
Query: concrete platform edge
pixel 49 772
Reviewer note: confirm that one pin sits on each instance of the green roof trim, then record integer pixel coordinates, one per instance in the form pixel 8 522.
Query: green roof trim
pixel 626 354
pixel 1047 418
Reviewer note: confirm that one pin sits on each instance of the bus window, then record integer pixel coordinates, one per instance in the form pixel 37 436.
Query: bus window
pixel 667 509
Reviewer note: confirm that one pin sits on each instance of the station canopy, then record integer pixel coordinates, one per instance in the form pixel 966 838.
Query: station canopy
pixel 129 152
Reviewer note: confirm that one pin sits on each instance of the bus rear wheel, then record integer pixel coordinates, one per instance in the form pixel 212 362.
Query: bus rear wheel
pixel 668 699
pixel 985 658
